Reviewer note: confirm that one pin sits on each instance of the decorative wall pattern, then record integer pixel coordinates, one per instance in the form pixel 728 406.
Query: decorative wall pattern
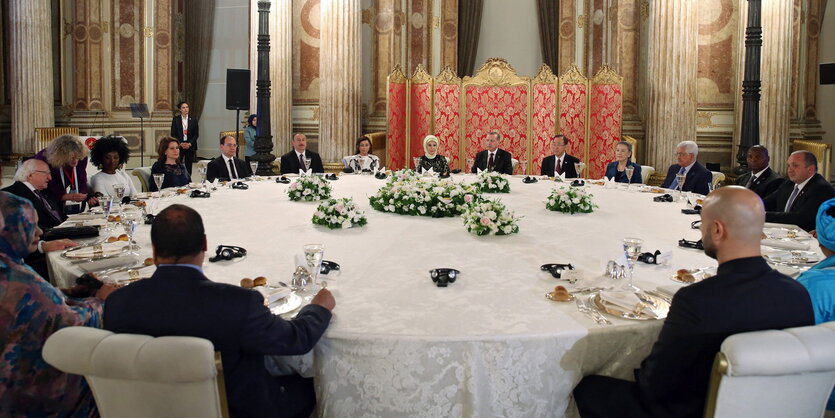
pixel 419 35
pixel 545 112
pixel 573 109
pixel 87 55
pixel 447 94
pixel 503 109
pixel 387 27
pixel 568 32
pixel 128 57
pixel 717 22
pixel 163 67
pixel 449 33
pixel 306 44
pixel 396 116
pixel 420 111
pixel 605 120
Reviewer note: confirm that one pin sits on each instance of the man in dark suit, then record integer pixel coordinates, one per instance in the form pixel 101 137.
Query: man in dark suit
pixel 187 131
pixel 761 179
pixel 179 300
pixel 293 161
pixel 30 180
pixel 493 158
pixel 745 295
pixel 559 162
pixel 227 166
pixel 797 201
pixel 697 177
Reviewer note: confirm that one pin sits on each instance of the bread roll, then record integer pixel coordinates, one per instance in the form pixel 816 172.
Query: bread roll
pixel 260 281
pixel 247 283
pixel 561 294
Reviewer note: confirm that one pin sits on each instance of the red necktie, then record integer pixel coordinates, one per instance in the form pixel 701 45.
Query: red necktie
pixel 559 167
pixel 490 162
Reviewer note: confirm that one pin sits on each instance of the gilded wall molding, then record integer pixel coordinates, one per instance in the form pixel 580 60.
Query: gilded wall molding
pixel 496 72
pixel 544 76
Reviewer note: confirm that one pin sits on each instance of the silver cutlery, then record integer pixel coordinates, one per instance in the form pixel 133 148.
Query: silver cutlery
pixel 593 314
pixel 659 295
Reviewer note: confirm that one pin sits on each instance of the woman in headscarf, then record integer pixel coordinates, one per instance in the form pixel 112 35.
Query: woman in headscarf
pixel 430 158
pixel 250 132
pixel 820 279
pixel 30 311
pixel 110 153
pixel 67 159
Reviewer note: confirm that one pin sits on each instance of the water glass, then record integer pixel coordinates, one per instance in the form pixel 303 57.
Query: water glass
pixel 579 167
pixel 253 167
pixel 158 178
pixel 119 190
pixel 629 172
pixel 416 160
pixel 524 165
pixel 307 162
pixel 632 248
pixel 313 255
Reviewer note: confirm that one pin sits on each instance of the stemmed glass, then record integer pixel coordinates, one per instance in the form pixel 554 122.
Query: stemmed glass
pixel 307 163
pixel 629 172
pixel 470 163
pixel 632 248
pixel 119 190
pixel 202 170
pixel 158 178
pixel 313 254
pixel 361 163
pixel 579 167
pixel 680 185
pixel 416 160
pixel 253 167
pixel 524 166
pixel 129 223
pixel 106 203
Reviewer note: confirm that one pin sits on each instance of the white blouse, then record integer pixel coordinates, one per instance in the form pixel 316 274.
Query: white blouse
pixel 103 183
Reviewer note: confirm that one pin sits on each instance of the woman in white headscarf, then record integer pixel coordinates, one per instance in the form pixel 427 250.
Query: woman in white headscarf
pixel 430 158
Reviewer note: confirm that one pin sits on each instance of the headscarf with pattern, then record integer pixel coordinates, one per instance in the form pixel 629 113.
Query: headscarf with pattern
pixel 17 218
pixel 825 225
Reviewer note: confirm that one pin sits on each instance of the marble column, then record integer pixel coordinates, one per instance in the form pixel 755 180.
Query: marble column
pixel 281 75
pixel 30 72
pixel 775 105
pixel 339 92
pixel 671 80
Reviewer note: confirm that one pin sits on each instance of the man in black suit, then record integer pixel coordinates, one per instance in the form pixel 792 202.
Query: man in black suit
pixel 293 161
pixel 187 131
pixel 30 181
pixel 697 176
pixel 745 295
pixel 179 300
pixel 227 166
pixel 797 201
pixel 559 162
pixel 493 158
pixel 761 179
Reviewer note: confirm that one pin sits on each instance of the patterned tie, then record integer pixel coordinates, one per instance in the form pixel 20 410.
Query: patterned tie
pixel 232 175
pixel 674 184
pixel 301 162
pixel 793 196
pixel 559 166
pixel 490 162
pixel 47 205
pixel 750 181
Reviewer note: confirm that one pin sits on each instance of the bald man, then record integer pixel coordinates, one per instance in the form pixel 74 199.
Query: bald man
pixel 745 295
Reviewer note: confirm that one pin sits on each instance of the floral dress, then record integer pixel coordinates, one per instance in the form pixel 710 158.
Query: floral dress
pixel 437 164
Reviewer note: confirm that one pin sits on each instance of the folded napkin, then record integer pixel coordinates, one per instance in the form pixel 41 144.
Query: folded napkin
pixel 784 233
pixel 668 290
pixel 787 245
pixel 73 222
pixel 561 177
pixel 786 257
pixel 124 276
pixel 83 216
pixel 381 170
pixel 629 302
pixel 430 172
pixel 111 248
pixel 273 293
pixel 108 263
pixel 309 172
pixel 609 183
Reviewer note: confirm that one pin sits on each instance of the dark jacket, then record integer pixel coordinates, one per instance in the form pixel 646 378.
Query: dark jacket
pixel 218 169
pixel 193 132
pixel 696 179
pixel 45 219
pixel 290 162
pixel 501 162
pixel 764 185
pixel 805 206
pixel 620 176
pixel 567 164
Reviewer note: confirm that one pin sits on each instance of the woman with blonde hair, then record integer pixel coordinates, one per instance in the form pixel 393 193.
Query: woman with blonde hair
pixel 430 158
pixel 67 159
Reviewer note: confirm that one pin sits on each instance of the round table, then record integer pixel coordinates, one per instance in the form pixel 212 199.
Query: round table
pixel 490 344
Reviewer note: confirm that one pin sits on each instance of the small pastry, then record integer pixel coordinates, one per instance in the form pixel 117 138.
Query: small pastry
pixel 123 237
pixel 561 294
pixel 112 240
pixel 247 283
pixel 682 272
pixel 260 281
pixel 148 261
pixel 687 278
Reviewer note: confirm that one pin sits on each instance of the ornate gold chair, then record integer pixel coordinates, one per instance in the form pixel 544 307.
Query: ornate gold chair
pixel 822 151
pixel 44 135
pixel 241 141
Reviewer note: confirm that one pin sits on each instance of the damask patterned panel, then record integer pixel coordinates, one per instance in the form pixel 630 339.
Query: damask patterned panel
pixel 503 109
pixel 573 117
pixel 396 120
pixel 128 53
pixel 163 57
pixel 605 126
pixel 420 111
pixel 544 124
pixel 448 123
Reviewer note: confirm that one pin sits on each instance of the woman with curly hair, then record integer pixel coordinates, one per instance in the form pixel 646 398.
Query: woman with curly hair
pixel 67 159
pixel 109 154
pixel 168 163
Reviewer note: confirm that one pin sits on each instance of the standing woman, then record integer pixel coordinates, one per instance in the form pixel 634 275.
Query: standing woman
pixel 67 159
pixel 184 128
pixel 109 154
pixel 168 163
pixel 430 158
pixel 250 132
pixel 623 159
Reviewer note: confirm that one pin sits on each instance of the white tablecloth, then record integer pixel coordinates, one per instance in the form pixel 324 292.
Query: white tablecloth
pixel 488 345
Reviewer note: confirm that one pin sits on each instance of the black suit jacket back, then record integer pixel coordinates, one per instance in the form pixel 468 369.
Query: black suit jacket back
pixel 501 162
pixel 696 179
pixel 549 162
pixel 290 162
pixel 179 300
pixel 193 131
pixel 767 183
pixel 217 169
pixel 804 210
pixel 745 295
pixel 45 219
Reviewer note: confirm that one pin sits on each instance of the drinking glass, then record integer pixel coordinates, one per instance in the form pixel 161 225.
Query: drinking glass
pixel 307 163
pixel 129 223
pixel 524 166
pixel 360 163
pixel 632 248
pixel 106 203
pixel 119 190
pixel 158 178
pixel 579 167
pixel 710 187
pixel 629 172
pixel 253 167
pixel 313 254
pixel 680 185
pixel 416 160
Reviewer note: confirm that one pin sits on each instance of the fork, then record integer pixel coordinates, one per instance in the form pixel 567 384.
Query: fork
pixel 590 312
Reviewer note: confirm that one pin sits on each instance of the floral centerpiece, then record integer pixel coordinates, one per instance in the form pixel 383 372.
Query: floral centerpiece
pixel 492 182
pixel 407 194
pixel 490 217
pixel 339 213
pixel 309 188
pixel 570 200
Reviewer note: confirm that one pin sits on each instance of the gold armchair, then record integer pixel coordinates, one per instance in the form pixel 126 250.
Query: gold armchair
pixel 43 136
pixel 822 151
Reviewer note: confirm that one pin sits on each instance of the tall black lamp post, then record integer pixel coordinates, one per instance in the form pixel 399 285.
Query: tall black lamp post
pixel 750 133
pixel 264 138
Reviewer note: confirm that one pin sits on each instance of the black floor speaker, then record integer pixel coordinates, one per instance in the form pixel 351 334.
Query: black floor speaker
pixel 827 72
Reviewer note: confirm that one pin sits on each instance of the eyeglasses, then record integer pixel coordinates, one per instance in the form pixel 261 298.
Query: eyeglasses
pixel 682 154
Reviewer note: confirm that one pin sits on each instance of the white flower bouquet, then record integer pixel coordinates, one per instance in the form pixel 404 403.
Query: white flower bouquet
pixel 492 182
pixel 309 188
pixel 487 217
pixel 408 194
pixel 570 200
pixel 339 213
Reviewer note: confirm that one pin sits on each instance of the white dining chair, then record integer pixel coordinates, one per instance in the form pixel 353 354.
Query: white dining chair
pixel 775 373
pixel 141 376
pixel 646 172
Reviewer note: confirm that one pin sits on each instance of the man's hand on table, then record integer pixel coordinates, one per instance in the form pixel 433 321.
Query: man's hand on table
pixel 324 299
pixel 58 245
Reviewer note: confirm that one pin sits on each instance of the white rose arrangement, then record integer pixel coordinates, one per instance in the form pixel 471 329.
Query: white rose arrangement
pixel 407 194
pixel 309 189
pixel 570 200
pixel 487 217
pixel 492 182
pixel 339 213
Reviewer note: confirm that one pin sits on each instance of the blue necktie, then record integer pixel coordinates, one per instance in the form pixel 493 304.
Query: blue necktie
pixel 674 184
pixel 793 196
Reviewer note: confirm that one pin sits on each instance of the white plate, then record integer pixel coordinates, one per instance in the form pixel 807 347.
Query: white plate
pixel 284 305
pixel 698 273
